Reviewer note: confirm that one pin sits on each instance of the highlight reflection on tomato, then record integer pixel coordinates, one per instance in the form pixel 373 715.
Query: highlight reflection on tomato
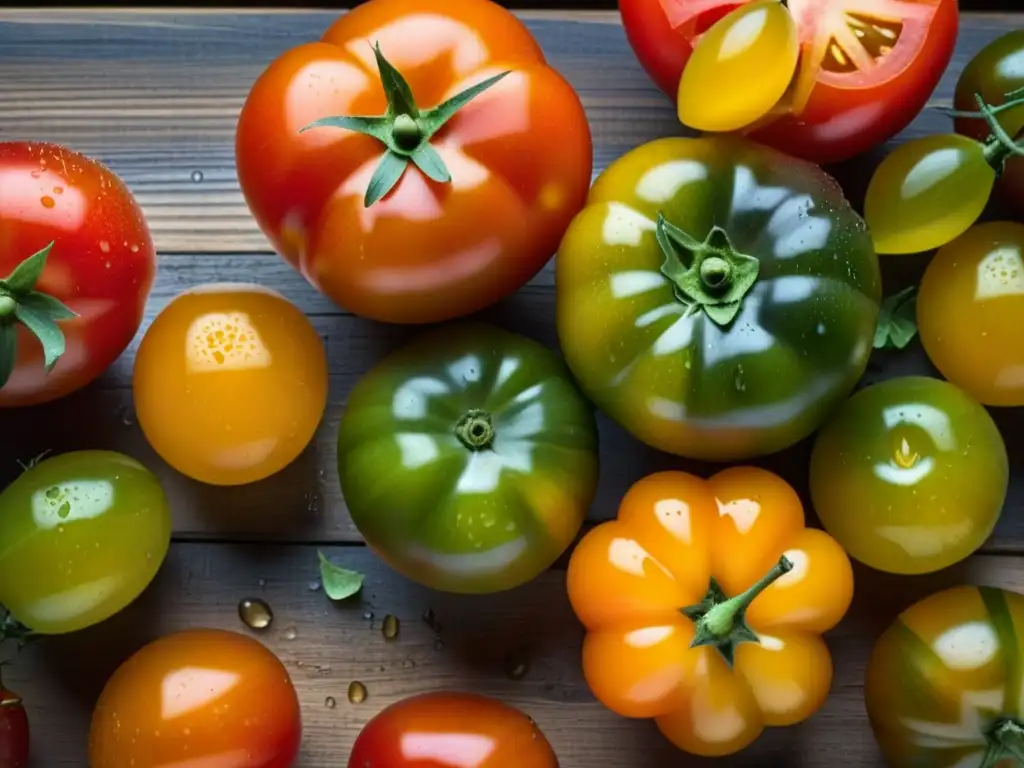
pixel 909 475
pixel 970 307
pixel 230 383
pixel 451 729
pixel 866 67
pixel 204 697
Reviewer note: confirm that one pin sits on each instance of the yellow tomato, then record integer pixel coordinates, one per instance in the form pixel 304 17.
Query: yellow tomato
pixel 230 383
pixel 970 309
pixel 740 69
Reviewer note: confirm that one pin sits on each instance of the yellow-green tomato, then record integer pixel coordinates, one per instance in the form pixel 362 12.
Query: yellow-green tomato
pixel 927 192
pixel 81 536
pixel 740 69
pixel 909 475
pixel 970 311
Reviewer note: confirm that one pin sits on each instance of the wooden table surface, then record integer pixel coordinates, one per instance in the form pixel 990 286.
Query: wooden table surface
pixel 155 95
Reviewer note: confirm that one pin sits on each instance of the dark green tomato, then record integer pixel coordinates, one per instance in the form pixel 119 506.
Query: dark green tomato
pixel 468 459
pixel 81 536
pixel 909 475
pixel 716 297
pixel 998 69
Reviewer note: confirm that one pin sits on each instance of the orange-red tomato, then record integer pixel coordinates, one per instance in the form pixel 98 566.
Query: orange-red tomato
pixel 729 562
pixel 230 383
pixel 518 155
pixel 450 729
pixel 206 697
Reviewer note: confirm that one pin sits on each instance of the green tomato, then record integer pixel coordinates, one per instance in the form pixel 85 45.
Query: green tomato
pixel 468 459
pixel 82 534
pixel 715 297
pixel 909 475
pixel 927 192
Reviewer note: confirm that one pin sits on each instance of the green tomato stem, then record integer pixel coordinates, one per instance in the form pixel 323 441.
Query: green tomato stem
pixel 715 274
pixel 7 307
pixel 475 430
pixel 721 619
pixel 1005 741
pixel 406 132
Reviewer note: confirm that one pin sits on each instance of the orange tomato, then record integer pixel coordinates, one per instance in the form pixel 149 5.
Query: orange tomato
pixel 704 604
pixel 206 697
pixel 230 383
pixel 518 158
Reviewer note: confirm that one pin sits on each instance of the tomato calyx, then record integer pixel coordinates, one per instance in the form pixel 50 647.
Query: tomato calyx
pixel 711 275
pixel 404 129
pixel 12 629
pixel 720 621
pixel 1005 741
pixel 20 302
pixel 897 320
pixel 475 430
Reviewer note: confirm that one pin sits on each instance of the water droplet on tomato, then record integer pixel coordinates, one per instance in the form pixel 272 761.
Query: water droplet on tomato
pixel 357 692
pixel 104 246
pixel 47 201
pixel 35 174
pixel 134 248
pixel 255 613
pixel 64 510
pixel 390 626
pixel 58 190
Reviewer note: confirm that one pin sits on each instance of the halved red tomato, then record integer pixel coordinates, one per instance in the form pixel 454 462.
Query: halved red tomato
pixel 866 67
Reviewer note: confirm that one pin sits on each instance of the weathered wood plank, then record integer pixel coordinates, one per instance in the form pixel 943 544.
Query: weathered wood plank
pixel 201 584
pixel 156 94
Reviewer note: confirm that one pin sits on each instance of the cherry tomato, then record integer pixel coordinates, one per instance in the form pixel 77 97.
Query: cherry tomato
pixel 866 67
pixel 408 217
pixel 927 192
pixel 997 70
pixel 909 475
pixel 87 301
pixel 943 682
pixel 204 697
pixel 82 535
pixel 970 308
pixel 230 383
pixel 14 731
pixel 449 729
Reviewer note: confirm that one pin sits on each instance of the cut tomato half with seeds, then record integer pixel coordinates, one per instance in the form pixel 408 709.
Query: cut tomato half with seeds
pixel 865 69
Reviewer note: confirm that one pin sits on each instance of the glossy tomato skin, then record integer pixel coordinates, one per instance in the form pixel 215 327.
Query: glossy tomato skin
pixel 998 69
pixel 230 383
pixel 945 674
pixel 428 251
pixel 14 731
pixel 681 382
pixel 451 513
pixel 451 729
pixel 840 119
pixel 82 534
pixel 101 266
pixel 969 309
pixel 677 537
pixel 909 475
pixel 209 696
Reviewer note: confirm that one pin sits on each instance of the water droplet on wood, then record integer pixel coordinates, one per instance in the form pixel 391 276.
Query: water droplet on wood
pixel 255 613
pixel 356 692
pixel 517 662
pixel 390 627
pixel 291 633
pixel 197 177
pixel 330 702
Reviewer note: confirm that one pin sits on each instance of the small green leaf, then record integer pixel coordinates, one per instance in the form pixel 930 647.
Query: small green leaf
pixel 25 276
pixel 386 175
pixel 397 90
pixel 377 127
pixel 339 583
pixel 8 350
pixel 668 235
pixel 44 329
pixel 723 314
pixel 434 118
pixel 897 320
pixel 47 305
pixel 428 161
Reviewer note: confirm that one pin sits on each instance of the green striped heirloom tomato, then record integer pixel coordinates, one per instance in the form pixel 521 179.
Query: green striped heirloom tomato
pixel 468 459
pixel 715 297
pixel 82 535
pixel 944 681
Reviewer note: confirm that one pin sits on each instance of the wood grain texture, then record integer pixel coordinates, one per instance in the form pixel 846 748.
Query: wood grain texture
pixel 200 585
pixel 155 94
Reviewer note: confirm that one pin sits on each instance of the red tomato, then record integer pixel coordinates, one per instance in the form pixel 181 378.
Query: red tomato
pixel 101 266
pixel 867 67
pixel 13 731
pixel 205 697
pixel 518 158
pixel 451 730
